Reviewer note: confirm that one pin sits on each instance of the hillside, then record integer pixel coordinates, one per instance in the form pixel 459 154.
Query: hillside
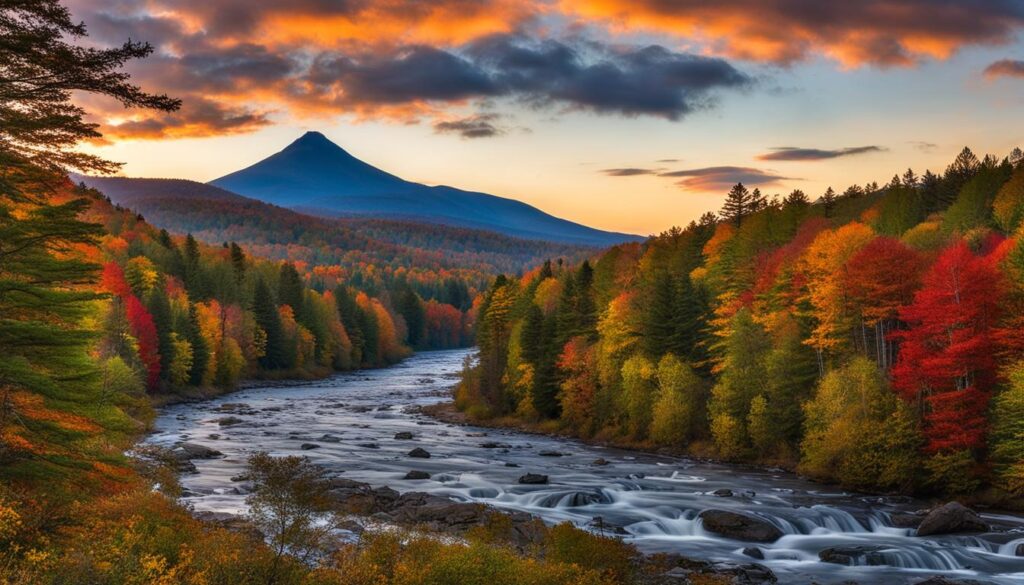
pixel 870 338
pixel 360 246
pixel 315 175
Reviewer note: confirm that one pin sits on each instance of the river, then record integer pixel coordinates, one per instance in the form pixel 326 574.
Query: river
pixel 653 500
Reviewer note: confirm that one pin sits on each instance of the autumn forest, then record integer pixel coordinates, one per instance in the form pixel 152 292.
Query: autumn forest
pixel 308 370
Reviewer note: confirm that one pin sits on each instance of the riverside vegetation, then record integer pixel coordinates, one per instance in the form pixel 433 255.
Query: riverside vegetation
pixel 869 338
pixel 99 312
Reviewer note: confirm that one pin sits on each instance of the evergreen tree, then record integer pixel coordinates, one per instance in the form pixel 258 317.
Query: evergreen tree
pixel 238 262
pixel 291 290
pixel 958 173
pixel 828 201
pixel 275 354
pixel 737 205
pixel 159 308
pixel 351 318
pixel 200 349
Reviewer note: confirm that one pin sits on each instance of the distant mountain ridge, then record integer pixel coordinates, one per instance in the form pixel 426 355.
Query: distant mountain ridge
pixel 316 176
pixel 215 215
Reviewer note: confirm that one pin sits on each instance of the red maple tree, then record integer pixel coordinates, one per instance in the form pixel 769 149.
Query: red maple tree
pixel 947 358
pixel 140 322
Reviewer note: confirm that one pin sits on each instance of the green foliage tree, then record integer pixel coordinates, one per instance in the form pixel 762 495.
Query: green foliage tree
pixel 678 403
pixel 639 385
pixel 1007 438
pixel 289 504
pixel 858 431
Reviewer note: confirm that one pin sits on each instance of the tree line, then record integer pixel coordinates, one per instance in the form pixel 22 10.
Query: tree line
pixel 869 337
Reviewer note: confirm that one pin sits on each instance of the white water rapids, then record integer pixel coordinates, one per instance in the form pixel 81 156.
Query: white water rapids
pixel 651 500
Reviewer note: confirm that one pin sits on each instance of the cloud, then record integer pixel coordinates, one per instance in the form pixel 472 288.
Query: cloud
pixel 197 117
pixel 408 60
pixel 724 177
pixel 1005 68
pixel 790 153
pixel 868 32
pixel 923 146
pixel 628 172
pixel 229 70
pixel 478 126
pixel 632 81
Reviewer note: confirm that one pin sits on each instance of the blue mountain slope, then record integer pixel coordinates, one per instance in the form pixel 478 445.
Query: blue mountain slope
pixel 316 176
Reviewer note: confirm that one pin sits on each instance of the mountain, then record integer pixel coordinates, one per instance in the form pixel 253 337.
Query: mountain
pixel 317 176
pixel 214 215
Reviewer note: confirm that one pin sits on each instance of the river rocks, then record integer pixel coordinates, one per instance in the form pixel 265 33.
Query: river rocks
pixel 368 445
pixel 853 555
pixel 1019 551
pixel 722 493
pixel 551 454
pixel 689 571
pixel 187 451
pixel 906 520
pixel 739 526
pixel 403 436
pixel 229 421
pixel 417 475
pixel 494 445
pixel 946 581
pixel 309 446
pixel 533 479
pixel 600 461
pixel 329 438
pixel 951 518
pixel 754 553
pixel 419 453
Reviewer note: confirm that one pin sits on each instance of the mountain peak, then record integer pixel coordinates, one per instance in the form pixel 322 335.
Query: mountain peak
pixel 313 138
pixel 318 176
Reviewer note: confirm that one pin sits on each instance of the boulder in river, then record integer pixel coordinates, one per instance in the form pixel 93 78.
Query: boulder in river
pixel 416 474
pixel 186 451
pixel 419 453
pixel 853 555
pixel 951 518
pixel 722 493
pixel 403 436
pixel 600 461
pixel 533 479
pixel 739 526
pixel 309 446
pixel 551 454
pixel 754 553
pixel 229 421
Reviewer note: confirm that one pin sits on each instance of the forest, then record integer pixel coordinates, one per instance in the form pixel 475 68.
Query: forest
pixel 870 338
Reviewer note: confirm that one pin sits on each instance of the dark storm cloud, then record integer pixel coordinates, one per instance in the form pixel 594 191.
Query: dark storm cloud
pixel 418 73
pixel 790 153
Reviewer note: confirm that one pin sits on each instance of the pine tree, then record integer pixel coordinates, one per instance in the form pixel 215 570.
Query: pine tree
pixel 238 262
pixel 200 348
pixel 291 290
pixel 737 205
pixel 159 308
pixel 828 201
pixel 350 315
pixel 275 355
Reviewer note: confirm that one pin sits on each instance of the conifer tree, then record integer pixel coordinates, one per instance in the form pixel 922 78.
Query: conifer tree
pixel 737 205
pixel 275 355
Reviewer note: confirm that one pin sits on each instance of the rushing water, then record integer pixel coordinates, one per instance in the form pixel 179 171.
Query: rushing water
pixel 652 500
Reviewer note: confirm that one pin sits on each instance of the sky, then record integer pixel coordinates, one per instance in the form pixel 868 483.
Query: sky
pixel 627 115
